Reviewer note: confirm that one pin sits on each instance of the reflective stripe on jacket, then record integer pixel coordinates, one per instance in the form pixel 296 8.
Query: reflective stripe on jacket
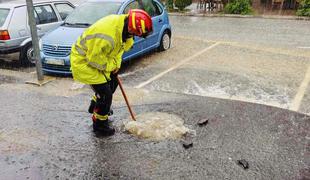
pixel 99 50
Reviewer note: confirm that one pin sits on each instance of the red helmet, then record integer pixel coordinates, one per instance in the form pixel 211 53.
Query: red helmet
pixel 140 23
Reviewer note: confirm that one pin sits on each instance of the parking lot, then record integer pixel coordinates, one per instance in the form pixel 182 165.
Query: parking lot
pixel 248 82
pixel 252 74
pixel 223 65
pixel 272 72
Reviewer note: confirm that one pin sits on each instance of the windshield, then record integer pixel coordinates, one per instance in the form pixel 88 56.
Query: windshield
pixel 3 14
pixel 88 13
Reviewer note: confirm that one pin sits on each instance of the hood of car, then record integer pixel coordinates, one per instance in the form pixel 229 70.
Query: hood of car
pixel 62 36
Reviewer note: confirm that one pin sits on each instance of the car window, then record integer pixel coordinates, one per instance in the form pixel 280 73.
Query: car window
pixel 18 20
pixel 159 10
pixel 150 7
pixel 36 17
pixel 132 5
pixel 45 14
pixel 90 12
pixel 64 10
pixel 3 14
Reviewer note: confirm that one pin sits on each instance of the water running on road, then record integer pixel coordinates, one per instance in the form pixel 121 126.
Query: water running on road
pixel 157 126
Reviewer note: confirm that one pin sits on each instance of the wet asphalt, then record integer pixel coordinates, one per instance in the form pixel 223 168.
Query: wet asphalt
pixel 251 31
pixel 227 71
pixel 50 137
pixel 244 85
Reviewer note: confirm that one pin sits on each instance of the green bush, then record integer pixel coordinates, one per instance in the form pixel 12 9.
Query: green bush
pixel 169 4
pixel 238 7
pixel 304 8
pixel 182 4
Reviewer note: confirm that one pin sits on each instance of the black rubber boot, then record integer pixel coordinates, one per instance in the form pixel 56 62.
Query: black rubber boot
pixel 92 107
pixel 103 128
pixel 110 112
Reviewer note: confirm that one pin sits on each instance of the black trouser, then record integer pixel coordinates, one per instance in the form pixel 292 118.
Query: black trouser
pixel 104 93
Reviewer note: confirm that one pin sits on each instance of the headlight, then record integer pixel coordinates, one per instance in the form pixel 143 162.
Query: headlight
pixel 40 44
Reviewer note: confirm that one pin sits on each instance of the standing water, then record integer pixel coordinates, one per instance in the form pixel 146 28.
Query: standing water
pixel 157 126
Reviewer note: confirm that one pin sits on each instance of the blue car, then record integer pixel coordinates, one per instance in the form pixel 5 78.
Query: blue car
pixel 55 46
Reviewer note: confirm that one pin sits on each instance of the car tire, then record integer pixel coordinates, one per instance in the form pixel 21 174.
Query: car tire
pixel 165 41
pixel 26 55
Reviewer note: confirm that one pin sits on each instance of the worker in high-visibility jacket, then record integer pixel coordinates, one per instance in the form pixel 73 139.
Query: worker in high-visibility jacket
pixel 96 58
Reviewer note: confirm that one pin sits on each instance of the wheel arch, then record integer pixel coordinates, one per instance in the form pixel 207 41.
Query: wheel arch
pixel 26 42
pixel 163 30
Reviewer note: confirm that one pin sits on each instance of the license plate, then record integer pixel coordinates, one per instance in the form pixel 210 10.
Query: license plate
pixel 55 61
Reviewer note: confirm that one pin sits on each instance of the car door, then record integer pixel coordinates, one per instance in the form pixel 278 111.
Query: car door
pixel 46 18
pixel 139 42
pixel 156 12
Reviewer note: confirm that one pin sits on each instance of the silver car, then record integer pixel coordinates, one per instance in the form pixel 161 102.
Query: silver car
pixel 14 28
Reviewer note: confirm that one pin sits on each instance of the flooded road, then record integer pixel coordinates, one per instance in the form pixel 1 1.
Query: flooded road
pixel 254 92
pixel 50 137
pixel 252 60
pixel 227 71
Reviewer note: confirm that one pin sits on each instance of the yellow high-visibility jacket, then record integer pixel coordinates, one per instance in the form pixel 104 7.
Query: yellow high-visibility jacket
pixel 98 51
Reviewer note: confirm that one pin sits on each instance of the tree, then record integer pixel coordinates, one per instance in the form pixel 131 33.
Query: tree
pixel 304 8
pixel 169 4
pixel 182 4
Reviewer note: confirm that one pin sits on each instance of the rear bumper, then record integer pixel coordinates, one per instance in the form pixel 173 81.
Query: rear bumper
pixel 9 50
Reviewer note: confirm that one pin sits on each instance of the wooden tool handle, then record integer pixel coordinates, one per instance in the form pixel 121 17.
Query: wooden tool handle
pixel 125 97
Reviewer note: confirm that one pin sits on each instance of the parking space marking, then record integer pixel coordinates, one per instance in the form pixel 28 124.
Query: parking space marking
pixel 176 66
pixel 301 91
pixel 128 73
pixel 304 47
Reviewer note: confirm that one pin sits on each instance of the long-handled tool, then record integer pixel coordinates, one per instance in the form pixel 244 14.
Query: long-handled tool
pixel 125 97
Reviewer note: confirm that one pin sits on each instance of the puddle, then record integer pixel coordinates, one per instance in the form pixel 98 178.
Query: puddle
pixel 157 126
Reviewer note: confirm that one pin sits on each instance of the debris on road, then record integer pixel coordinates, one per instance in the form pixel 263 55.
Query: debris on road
pixel 243 163
pixel 203 122
pixel 187 144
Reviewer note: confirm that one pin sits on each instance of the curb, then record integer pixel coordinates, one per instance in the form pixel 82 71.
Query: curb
pixel 242 16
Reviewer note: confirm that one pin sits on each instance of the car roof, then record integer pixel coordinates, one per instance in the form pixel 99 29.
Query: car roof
pixel 17 3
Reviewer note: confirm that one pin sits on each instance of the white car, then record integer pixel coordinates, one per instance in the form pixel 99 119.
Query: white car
pixel 14 29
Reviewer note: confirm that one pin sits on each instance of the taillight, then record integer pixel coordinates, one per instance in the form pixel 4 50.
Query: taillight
pixel 4 35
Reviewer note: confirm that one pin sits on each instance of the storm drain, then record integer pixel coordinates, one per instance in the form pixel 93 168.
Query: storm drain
pixel 158 126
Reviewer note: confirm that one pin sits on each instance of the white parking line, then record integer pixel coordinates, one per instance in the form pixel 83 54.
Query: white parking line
pixel 128 74
pixel 301 91
pixel 176 66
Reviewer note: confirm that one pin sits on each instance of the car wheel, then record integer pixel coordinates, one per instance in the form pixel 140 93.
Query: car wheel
pixel 26 55
pixel 165 42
